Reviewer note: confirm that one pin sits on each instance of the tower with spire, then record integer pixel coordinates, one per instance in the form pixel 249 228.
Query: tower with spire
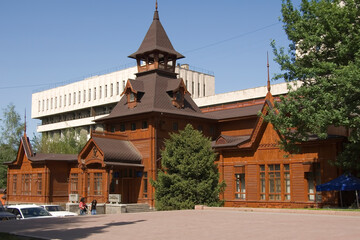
pixel 156 52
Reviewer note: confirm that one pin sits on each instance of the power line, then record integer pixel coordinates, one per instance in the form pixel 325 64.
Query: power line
pixel 232 38
pixel 189 51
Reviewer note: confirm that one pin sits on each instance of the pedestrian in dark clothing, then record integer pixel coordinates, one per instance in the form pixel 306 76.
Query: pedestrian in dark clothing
pixel 93 207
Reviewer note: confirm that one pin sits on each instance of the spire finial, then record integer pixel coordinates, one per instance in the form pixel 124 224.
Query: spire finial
pixel 268 80
pixel 25 123
pixel 156 13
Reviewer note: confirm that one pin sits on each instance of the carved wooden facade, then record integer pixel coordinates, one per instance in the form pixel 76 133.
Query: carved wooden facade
pixel 124 158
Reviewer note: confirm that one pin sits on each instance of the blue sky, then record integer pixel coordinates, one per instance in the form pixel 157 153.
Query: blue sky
pixel 44 42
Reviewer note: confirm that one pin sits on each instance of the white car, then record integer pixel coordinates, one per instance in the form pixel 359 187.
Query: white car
pixel 58 211
pixel 27 211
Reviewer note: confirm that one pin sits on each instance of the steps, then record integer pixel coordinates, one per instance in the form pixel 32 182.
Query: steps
pixel 138 207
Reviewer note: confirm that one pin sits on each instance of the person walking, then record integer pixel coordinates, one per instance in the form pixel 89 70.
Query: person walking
pixel 93 207
pixel 82 206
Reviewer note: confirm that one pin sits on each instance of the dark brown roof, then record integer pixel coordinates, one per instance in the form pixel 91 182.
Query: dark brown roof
pixel 53 157
pixel 229 141
pixel 119 151
pixel 235 112
pixel 27 146
pixel 137 85
pixel 156 39
pixel 155 98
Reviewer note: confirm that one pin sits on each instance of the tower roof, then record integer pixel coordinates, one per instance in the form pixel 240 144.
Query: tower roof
pixel 156 39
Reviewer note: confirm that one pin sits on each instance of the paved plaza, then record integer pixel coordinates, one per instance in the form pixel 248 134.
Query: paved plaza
pixel 192 224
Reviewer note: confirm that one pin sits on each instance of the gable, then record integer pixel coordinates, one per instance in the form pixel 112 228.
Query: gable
pixel 269 137
pixel 91 154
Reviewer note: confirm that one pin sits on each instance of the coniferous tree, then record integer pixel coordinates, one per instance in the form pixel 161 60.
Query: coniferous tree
pixel 324 56
pixel 189 176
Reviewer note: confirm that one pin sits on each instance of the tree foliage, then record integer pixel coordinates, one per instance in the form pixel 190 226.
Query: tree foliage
pixel 324 56
pixel 189 176
pixel 11 132
pixel 71 142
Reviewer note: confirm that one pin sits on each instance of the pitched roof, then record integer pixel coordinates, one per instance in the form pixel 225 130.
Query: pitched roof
pixel 156 39
pixel 235 112
pixel 53 157
pixel 118 151
pixel 229 141
pixel 155 98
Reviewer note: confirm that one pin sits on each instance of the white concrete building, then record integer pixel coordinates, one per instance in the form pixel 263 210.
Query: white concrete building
pixel 78 104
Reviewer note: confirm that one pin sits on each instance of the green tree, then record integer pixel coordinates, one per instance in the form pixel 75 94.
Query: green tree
pixel 71 142
pixel 324 56
pixel 11 132
pixel 189 176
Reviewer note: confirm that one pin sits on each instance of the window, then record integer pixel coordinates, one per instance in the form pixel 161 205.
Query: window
pixel 286 182
pixel 132 97
pixel 74 183
pixel 74 102
pixel 145 183
pixel 65 100
pixel 111 90
pixel 94 93
pixel 112 128
pixel 84 96
pixel 117 88
pixel 14 184
pixel 97 183
pixel 89 98
pixel 204 90
pixel 60 100
pixel 123 84
pixel 88 184
pixel 175 126
pixel 122 127
pixel 178 96
pixel 26 184
pixel 192 88
pixel 39 106
pixel 100 94
pixel 313 178
pixel 144 125
pixel 43 105
pixel 105 91
pixel 55 102
pixel 79 97
pixel 240 186
pixel 39 184
pixel 275 182
pixel 133 126
pixel 69 103
pixel 47 104
pixel 51 103
pixel 198 89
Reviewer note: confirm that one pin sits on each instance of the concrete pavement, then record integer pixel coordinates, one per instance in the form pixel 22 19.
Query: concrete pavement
pixel 209 224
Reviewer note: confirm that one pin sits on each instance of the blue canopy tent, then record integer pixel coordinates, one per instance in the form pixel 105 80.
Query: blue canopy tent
pixel 342 183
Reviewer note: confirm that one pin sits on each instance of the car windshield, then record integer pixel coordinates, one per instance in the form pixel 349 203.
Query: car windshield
pixel 54 208
pixel 34 212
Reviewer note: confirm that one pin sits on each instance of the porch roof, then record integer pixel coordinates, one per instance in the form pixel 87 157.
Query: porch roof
pixel 118 151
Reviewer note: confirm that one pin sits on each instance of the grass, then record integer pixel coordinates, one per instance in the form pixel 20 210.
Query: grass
pixel 9 236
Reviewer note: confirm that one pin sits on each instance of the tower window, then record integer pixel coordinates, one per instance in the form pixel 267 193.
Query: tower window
pixel 132 97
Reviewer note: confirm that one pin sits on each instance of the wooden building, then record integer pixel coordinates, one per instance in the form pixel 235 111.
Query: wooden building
pixel 38 178
pixel 123 158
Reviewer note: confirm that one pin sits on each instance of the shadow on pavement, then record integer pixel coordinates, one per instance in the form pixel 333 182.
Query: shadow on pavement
pixel 65 228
